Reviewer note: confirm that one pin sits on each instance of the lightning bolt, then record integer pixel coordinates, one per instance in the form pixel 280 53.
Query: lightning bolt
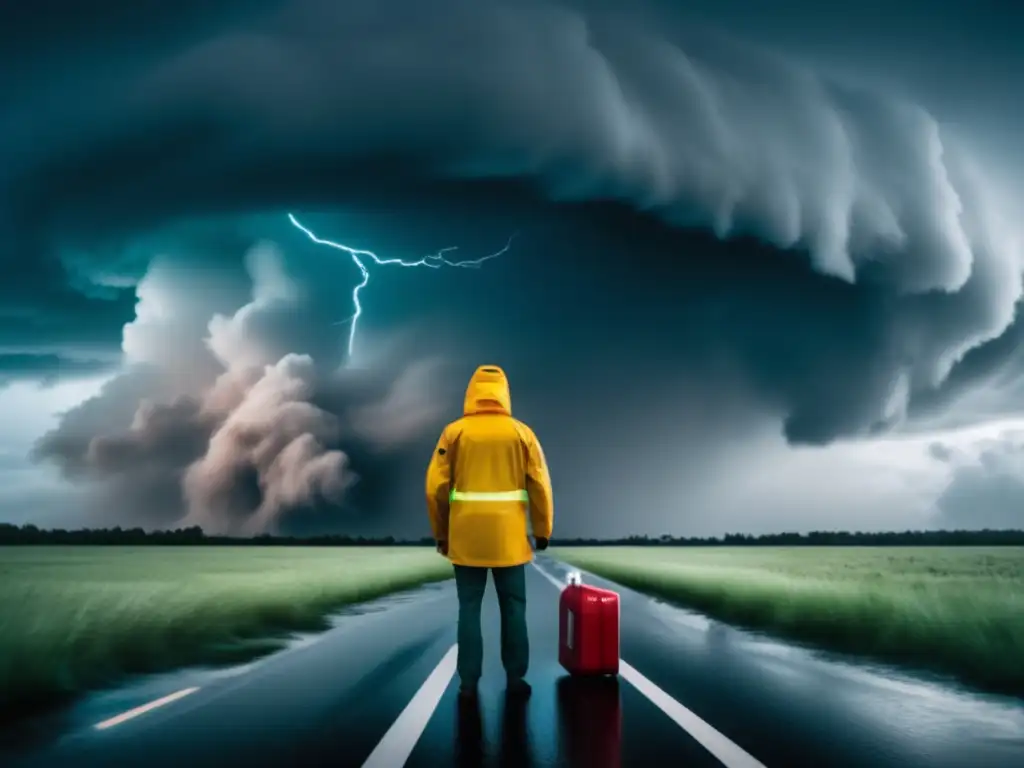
pixel 435 260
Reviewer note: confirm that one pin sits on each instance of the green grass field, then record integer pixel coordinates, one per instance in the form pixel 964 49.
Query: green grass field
pixel 75 618
pixel 957 610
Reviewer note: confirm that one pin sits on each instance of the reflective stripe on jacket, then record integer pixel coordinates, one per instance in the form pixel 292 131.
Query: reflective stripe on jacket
pixel 488 496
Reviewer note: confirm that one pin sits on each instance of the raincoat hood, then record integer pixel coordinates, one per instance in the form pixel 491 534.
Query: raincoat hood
pixel 488 392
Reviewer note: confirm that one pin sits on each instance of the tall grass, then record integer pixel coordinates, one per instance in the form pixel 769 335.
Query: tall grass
pixel 74 618
pixel 954 610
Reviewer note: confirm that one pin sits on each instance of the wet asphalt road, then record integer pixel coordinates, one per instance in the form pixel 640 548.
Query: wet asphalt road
pixel 330 700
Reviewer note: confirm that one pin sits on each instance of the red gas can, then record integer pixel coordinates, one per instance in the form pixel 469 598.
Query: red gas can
pixel 588 629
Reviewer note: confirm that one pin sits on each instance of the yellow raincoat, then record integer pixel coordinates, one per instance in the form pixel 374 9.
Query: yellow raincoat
pixel 486 471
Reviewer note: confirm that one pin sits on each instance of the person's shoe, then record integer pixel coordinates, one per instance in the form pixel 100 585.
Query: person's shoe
pixel 517 686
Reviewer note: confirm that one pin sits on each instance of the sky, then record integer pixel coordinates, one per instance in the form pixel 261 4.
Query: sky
pixel 753 269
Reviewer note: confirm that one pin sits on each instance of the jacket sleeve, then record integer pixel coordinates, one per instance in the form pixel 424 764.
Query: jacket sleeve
pixel 538 486
pixel 439 476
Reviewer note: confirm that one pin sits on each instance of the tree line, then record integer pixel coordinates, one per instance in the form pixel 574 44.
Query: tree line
pixel 30 534
pixel 935 538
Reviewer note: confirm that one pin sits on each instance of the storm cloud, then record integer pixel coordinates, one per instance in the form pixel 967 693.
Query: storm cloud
pixel 276 106
pixel 986 489
pixel 237 441
pixel 790 243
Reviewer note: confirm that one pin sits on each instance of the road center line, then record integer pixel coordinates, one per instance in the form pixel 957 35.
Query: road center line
pixel 726 751
pixel 124 716
pixel 558 585
pixel 400 740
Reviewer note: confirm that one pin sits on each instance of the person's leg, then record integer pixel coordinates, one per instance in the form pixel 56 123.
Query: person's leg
pixel 470 584
pixel 510 584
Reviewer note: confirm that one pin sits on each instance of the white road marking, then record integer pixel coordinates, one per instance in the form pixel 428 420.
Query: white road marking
pixel 303 642
pixel 558 584
pixel 400 740
pixel 728 752
pixel 124 716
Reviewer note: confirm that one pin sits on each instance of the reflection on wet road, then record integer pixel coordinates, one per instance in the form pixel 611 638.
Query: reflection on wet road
pixel 589 728
pixel 469 735
pixel 513 744
pixel 590 722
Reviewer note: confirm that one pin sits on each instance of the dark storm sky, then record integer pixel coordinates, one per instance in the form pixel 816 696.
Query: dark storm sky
pixel 731 222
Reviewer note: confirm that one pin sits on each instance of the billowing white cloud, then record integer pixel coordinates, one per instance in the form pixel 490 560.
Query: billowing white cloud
pixel 224 426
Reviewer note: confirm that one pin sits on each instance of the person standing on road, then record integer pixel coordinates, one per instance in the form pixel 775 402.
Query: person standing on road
pixel 486 476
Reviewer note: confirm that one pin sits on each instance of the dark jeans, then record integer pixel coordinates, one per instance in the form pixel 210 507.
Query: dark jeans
pixel 510 584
